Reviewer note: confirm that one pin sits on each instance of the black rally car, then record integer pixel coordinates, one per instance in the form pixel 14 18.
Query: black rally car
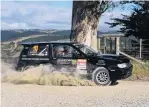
pixel 103 68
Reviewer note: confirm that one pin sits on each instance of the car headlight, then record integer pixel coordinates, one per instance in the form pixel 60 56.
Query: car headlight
pixel 123 65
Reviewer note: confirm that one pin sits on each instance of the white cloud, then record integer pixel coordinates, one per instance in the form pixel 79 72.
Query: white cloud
pixel 42 15
pixel 5 25
pixel 34 14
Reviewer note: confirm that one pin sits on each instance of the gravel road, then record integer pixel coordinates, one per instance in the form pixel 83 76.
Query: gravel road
pixel 125 94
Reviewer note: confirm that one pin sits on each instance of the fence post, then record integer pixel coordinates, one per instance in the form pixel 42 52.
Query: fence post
pixel 117 45
pixel 140 48
pixel 111 45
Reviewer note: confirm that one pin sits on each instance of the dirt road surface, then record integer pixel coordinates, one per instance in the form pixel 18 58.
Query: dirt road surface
pixel 125 94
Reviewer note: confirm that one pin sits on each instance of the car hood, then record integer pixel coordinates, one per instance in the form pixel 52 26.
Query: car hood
pixel 119 58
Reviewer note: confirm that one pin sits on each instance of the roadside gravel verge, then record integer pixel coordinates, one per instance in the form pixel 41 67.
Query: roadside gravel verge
pixel 125 94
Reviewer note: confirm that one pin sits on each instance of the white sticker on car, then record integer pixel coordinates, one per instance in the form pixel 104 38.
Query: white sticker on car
pixel 81 64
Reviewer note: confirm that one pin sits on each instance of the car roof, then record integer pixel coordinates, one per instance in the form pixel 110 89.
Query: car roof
pixel 52 42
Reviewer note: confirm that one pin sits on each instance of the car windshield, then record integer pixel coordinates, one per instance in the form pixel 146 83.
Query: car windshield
pixel 86 49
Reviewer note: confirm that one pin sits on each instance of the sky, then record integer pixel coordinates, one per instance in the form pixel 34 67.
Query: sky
pixel 48 15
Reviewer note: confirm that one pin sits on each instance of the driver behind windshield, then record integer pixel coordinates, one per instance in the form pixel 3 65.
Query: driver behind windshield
pixel 86 49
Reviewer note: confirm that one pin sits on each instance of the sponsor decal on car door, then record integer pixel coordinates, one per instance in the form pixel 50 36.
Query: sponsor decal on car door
pixel 81 64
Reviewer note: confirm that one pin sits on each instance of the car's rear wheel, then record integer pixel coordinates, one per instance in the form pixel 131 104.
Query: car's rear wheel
pixel 101 77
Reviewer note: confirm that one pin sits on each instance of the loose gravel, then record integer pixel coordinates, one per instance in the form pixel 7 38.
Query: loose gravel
pixel 125 94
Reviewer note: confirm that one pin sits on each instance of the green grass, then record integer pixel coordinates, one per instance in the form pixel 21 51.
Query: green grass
pixel 140 72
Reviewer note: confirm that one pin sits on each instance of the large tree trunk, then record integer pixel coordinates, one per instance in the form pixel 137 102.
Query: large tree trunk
pixel 85 18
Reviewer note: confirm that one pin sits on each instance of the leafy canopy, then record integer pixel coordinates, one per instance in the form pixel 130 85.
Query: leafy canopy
pixel 137 24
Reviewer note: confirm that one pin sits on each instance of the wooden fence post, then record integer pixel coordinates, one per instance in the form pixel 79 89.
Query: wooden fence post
pixel 110 45
pixel 117 45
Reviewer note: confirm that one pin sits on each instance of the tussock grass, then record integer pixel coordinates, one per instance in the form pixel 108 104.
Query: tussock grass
pixel 140 72
pixel 38 75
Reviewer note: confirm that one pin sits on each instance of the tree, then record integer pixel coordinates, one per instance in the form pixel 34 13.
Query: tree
pixel 137 24
pixel 85 18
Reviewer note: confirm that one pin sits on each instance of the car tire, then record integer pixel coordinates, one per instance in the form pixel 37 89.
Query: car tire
pixel 101 77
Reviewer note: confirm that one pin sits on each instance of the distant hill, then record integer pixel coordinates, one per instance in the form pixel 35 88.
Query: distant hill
pixel 68 32
pixel 109 32
pixel 8 35
pixel 62 33
pixel 47 38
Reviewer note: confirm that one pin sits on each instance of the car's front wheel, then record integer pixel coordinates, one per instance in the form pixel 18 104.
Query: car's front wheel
pixel 101 77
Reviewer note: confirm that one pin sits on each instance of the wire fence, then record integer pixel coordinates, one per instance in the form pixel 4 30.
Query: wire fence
pixel 138 48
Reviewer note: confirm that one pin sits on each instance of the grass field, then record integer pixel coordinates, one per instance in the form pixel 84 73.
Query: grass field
pixel 140 72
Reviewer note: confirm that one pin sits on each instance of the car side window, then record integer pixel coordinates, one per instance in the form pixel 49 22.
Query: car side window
pixel 25 51
pixel 38 50
pixel 64 51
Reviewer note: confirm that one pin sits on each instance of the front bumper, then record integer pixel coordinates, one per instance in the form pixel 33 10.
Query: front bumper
pixel 121 73
pixel 126 73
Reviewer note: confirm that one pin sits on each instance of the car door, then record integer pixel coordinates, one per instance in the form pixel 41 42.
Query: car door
pixel 37 54
pixel 65 55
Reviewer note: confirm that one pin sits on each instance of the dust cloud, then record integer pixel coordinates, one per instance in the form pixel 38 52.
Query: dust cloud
pixel 44 75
